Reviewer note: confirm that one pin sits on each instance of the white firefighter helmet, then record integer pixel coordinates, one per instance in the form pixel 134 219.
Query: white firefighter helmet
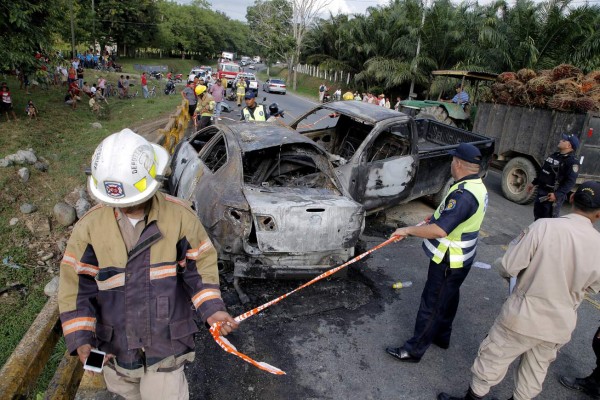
pixel 125 168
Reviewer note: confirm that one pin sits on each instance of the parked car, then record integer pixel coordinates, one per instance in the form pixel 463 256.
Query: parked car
pixel 274 85
pixel 196 72
pixel 281 213
pixel 384 158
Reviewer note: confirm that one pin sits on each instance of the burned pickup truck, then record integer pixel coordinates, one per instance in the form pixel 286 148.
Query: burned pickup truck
pixel 383 157
pixel 268 198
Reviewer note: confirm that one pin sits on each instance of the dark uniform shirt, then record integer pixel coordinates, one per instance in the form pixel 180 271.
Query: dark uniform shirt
pixel 459 206
pixel 558 175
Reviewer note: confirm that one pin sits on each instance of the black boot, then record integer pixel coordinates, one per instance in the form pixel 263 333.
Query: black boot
pixel 469 396
pixel 589 385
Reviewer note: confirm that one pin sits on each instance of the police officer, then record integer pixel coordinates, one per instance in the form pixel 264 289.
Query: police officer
pixel 589 385
pixel 253 111
pixel 556 179
pixel 450 244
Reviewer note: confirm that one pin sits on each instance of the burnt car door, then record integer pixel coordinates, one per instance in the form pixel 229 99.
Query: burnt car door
pixel 186 156
pixel 385 166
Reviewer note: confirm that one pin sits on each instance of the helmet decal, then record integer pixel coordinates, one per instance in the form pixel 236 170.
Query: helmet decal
pixel 114 189
pixel 141 185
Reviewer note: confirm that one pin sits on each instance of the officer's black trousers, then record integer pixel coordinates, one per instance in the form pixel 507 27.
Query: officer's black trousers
pixel 439 303
pixel 544 209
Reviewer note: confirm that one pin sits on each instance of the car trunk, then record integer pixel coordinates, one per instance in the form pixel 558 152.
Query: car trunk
pixel 302 220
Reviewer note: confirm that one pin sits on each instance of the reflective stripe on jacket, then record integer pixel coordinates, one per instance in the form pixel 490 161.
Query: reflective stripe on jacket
pixel 462 241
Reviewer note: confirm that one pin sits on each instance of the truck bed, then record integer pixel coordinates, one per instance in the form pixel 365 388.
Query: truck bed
pixel 437 137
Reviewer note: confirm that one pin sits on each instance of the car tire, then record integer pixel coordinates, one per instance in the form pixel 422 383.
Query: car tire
pixel 516 175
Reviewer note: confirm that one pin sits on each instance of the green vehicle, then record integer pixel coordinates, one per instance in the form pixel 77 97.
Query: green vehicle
pixel 444 110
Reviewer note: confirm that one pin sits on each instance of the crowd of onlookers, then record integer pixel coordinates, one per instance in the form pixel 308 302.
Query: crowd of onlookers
pixel 365 97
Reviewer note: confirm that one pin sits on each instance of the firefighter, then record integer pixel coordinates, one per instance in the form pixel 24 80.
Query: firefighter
pixel 240 91
pixel 204 108
pixel 556 179
pixel 253 111
pixel 136 272
pixel 450 244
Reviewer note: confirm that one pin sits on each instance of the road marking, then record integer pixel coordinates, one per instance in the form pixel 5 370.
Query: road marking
pixel 594 302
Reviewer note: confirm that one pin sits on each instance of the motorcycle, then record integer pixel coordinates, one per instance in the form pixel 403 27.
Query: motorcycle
pixel 157 75
pixel 170 88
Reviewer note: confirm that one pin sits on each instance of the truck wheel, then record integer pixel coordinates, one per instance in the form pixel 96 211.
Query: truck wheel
pixel 438 113
pixel 516 175
pixel 436 199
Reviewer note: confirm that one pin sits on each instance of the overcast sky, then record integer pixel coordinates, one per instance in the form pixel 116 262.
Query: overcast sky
pixel 236 9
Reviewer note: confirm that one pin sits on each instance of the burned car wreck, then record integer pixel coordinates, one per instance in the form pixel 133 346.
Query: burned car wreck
pixel 384 158
pixel 268 198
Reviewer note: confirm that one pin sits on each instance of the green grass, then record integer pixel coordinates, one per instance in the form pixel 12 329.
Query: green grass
pixel 66 139
pixel 176 65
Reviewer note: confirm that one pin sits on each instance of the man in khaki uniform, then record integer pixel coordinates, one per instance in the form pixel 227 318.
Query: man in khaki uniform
pixel 556 261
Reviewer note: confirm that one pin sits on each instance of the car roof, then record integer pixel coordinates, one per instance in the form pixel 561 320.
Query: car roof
pixel 363 111
pixel 276 79
pixel 252 136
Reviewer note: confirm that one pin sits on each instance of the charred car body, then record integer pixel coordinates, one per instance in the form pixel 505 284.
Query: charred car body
pixel 268 198
pixel 383 157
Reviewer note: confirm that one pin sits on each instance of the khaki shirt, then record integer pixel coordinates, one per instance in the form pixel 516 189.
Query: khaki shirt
pixel 556 261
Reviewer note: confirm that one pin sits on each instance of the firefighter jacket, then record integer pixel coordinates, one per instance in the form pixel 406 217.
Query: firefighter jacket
pixel 558 175
pixel 241 88
pixel 257 114
pixel 461 242
pixel 206 105
pixel 139 306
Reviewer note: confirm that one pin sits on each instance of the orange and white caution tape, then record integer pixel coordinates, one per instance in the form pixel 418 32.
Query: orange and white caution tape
pixel 215 329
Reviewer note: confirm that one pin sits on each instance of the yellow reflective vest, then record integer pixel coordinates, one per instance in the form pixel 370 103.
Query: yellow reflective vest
pixel 259 113
pixel 461 243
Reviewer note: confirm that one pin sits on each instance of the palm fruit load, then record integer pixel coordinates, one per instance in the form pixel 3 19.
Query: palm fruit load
pixel 564 88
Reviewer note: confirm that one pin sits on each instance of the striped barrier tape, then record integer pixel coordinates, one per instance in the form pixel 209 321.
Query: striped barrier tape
pixel 228 347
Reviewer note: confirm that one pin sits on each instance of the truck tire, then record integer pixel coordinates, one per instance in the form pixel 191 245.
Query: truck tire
pixel 516 175
pixel 438 113
pixel 436 199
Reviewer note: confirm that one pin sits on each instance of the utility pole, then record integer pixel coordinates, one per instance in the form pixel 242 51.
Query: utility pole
pixel 94 26
pixel 73 55
pixel 411 94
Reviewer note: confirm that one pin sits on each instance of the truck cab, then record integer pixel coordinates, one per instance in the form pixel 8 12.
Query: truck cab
pixel 228 70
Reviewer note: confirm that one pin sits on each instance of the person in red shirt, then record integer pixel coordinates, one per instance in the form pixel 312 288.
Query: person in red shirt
pixel 6 104
pixel 145 85
pixel 72 74
pixel 74 92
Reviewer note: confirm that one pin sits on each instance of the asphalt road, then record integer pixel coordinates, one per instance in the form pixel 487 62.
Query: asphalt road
pixel 330 339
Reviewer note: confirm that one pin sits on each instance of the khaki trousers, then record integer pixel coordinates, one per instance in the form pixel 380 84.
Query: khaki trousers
pixel 152 386
pixel 499 349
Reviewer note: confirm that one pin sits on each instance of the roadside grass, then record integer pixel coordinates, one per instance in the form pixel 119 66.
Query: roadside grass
pixel 66 139
pixel 176 65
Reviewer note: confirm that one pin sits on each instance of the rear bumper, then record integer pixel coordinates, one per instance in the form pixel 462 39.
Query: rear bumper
pixel 289 266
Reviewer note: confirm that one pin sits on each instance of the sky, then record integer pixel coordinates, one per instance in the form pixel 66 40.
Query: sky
pixel 236 9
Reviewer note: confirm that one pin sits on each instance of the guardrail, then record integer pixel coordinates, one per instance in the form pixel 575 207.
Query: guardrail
pixel 21 371
pixel 175 129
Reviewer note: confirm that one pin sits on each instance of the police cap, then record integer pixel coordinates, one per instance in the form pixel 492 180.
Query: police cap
pixel 467 152
pixel 588 195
